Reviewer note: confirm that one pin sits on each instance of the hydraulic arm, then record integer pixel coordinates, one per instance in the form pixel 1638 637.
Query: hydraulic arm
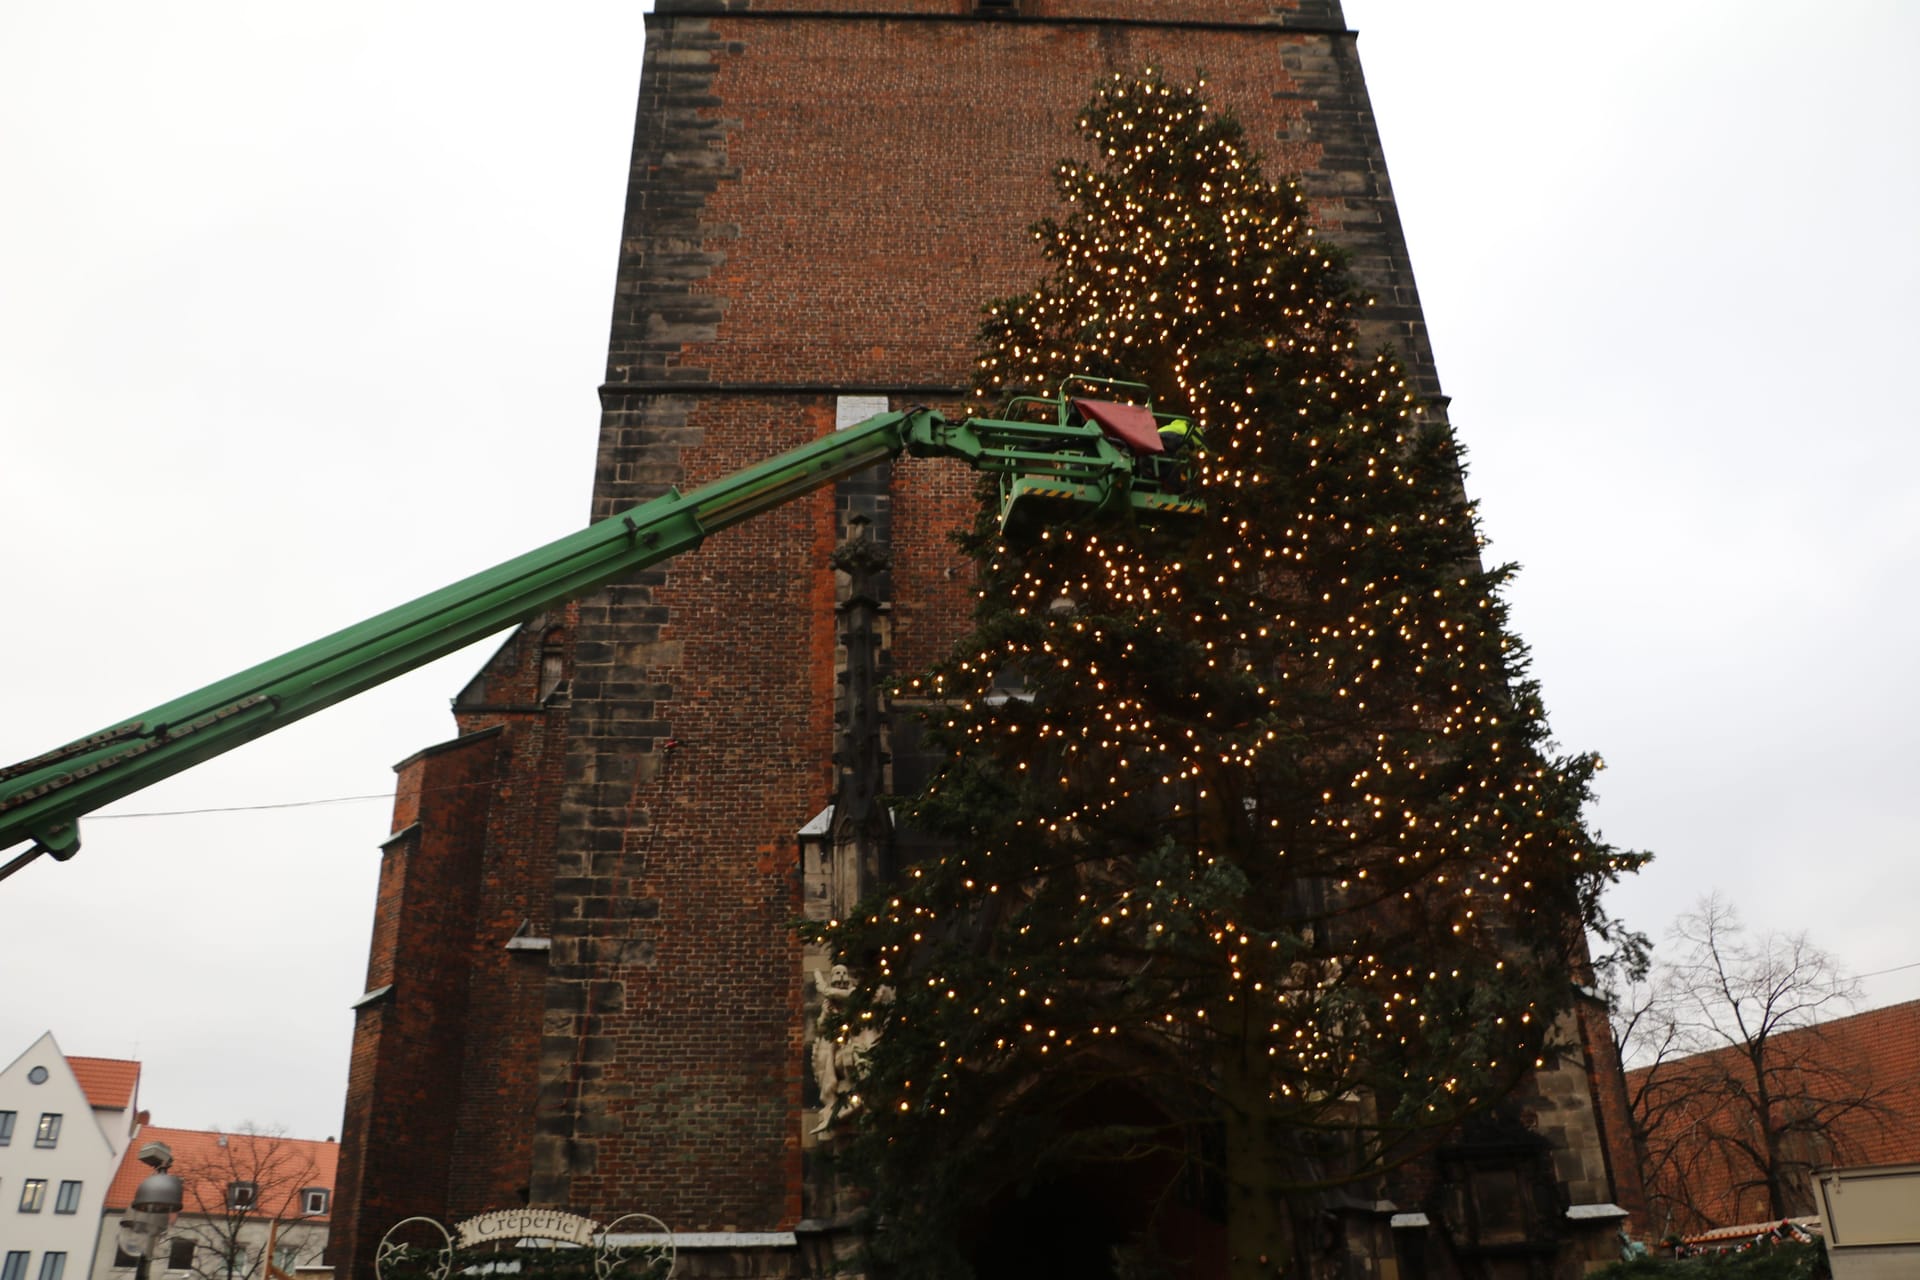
pixel 1075 460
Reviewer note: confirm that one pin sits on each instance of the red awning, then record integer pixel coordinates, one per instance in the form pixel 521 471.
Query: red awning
pixel 1128 424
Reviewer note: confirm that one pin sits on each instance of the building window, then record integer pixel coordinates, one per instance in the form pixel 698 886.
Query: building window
pixel 15 1267
pixel 121 1258
pixel 180 1255
pixel 6 1127
pixel 68 1201
pixel 48 1135
pixel 241 1195
pixel 52 1265
pixel 33 1194
pixel 286 1257
pixel 313 1200
pixel 37 1076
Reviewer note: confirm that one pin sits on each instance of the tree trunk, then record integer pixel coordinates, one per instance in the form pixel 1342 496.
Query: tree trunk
pixel 1262 1239
pixel 1769 1131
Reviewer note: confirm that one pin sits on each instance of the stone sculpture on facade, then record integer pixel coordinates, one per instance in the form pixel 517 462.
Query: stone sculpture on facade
pixel 836 1058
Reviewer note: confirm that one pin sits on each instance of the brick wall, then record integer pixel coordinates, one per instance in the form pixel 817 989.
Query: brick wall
pixel 703 705
pixel 444 1073
pixel 399 1120
pixel 526 692
pixel 1608 1087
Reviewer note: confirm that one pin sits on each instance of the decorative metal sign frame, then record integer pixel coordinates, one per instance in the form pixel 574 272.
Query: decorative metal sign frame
pixel 421 1247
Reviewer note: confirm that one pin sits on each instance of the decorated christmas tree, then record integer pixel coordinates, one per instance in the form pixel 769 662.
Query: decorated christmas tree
pixel 1258 870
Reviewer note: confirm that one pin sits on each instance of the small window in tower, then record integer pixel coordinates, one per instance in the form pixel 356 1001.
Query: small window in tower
pixel 851 411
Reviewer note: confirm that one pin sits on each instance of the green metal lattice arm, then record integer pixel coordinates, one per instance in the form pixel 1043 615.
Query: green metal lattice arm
pixel 43 799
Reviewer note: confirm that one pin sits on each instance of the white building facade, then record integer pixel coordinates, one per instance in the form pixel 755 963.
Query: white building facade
pixel 60 1144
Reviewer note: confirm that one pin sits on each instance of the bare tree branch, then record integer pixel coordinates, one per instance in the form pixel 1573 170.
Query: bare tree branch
pixel 1736 1091
pixel 241 1193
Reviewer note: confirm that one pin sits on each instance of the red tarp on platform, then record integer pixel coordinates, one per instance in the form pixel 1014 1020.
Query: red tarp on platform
pixel 1129 424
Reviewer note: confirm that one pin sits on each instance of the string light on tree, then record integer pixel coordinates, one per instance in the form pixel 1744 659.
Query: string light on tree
pixel 1273 833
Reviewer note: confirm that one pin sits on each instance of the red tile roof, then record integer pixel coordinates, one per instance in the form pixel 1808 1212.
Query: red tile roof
pixel 206 1161
pixel 1881 1045
pixel 109 1082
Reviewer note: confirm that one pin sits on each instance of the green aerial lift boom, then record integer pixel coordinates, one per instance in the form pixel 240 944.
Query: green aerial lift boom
pixel 1085 454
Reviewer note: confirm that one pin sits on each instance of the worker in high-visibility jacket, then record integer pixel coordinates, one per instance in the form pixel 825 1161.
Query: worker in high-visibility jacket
pixel 1175 439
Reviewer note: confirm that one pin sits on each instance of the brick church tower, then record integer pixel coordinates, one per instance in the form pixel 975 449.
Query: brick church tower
pixel 584 990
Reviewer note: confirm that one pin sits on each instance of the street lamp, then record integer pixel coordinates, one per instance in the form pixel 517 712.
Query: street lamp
pixel 155 1202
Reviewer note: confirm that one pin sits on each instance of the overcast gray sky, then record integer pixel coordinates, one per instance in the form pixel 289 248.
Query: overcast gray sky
pixel 302 311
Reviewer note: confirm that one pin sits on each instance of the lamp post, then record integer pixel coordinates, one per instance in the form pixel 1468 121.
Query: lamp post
pixel 158 1198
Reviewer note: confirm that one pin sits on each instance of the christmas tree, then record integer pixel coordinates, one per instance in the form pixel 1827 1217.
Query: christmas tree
pixel 1259 870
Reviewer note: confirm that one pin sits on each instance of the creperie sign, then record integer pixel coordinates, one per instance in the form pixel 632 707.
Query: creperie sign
pixel 521 1224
